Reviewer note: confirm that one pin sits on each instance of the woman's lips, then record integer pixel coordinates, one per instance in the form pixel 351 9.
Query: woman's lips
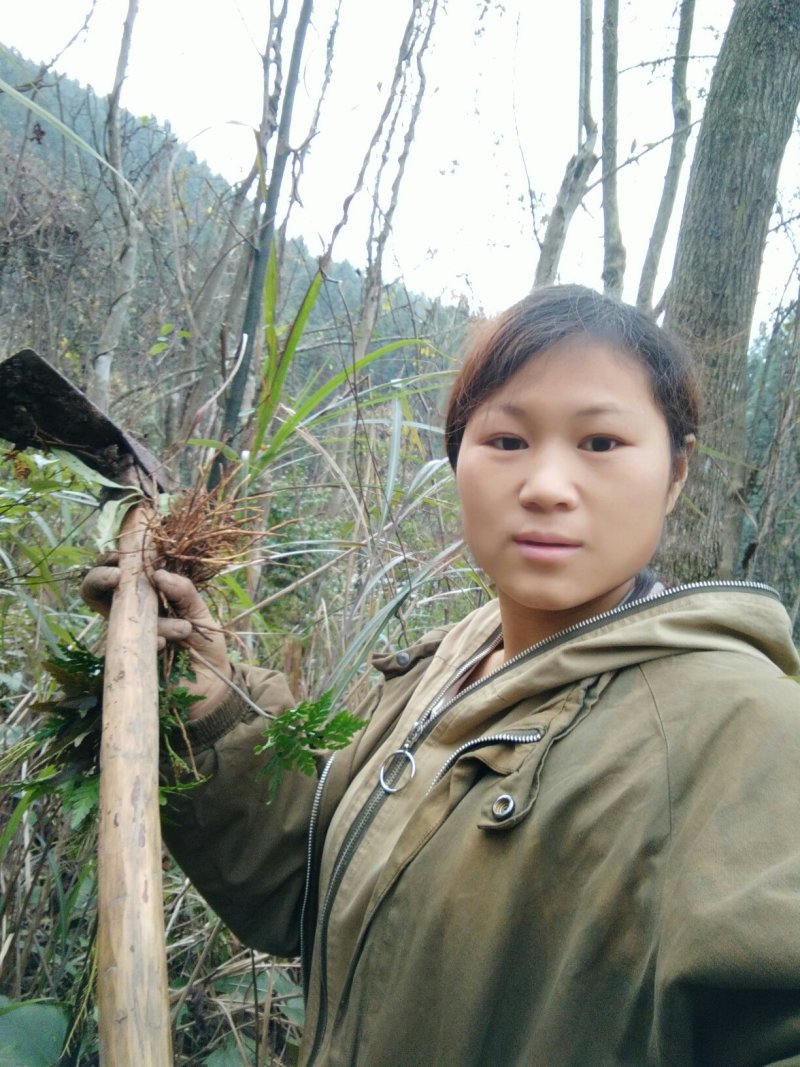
pixel 546 549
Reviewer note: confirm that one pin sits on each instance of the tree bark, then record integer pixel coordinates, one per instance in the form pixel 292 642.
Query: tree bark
pixel 775 490
pixel 752 101
pixel 613 248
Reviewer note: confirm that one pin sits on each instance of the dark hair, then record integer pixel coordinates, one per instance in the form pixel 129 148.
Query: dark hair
pixel 556 313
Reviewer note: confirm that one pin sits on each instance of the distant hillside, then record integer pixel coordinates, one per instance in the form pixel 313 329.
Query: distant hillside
pixel 60 240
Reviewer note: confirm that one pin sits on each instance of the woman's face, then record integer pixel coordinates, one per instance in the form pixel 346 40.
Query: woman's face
pixel 565 476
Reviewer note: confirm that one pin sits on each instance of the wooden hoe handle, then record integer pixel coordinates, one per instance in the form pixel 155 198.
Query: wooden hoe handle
pixel 132 973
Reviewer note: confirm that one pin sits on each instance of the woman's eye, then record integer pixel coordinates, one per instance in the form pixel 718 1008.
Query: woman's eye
pixel 599 443
pixel 507 444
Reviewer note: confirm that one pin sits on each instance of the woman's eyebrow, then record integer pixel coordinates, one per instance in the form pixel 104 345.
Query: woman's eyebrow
pixel 508 407
pixel 609 408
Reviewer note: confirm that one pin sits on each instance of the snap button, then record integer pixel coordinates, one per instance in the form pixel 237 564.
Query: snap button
pixel 403 659
pixel 503 807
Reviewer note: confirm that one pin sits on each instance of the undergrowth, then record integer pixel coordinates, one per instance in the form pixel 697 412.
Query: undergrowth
pixel 350 545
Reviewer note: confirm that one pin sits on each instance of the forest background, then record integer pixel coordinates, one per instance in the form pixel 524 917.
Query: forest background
pixel 195 311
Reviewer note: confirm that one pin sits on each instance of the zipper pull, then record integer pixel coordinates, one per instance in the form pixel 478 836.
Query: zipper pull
pixel 388 778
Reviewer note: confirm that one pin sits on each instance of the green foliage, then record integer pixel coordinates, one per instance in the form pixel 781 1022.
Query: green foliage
pixel 31 1033
pixel 359 510
pixel 72 723
pixel 174 699
pixel 275 983
pixel 69 737
pixel 44 508
pixel 294 738
pixel 229 1054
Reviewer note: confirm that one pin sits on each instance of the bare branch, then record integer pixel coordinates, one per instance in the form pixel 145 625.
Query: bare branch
pixel 574 184
pixel 125 271
pixel 613 248
pixel 534 200
pixel 681 111
pixel 300 154
pixel 648 148
pixel 585 121
pixel 263 248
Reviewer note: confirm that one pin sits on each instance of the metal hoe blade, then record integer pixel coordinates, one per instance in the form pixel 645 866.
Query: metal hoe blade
pixel 40 408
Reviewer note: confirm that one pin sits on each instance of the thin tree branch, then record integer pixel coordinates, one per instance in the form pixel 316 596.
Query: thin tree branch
pixel 613 248
pixel 681 111
pixel 574 184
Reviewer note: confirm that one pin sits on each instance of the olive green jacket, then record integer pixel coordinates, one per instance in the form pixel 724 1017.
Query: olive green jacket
pixel 590 857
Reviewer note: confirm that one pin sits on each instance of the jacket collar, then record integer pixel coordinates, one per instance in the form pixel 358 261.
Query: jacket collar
pixel 698 617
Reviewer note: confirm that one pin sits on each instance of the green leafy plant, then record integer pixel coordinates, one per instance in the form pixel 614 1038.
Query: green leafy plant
pixel 66 747
pixel 68 739
pixel 31 1033
pixel 293 740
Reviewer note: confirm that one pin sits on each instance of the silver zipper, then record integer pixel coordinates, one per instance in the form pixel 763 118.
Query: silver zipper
pixel 397 760
pixel 533 737
pixel 434 710
pixel 563 635
pixel 423 725
pixel 349 846
pixel 312 833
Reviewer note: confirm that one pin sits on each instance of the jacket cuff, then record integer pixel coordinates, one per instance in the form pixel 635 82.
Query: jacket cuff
pixel 205 732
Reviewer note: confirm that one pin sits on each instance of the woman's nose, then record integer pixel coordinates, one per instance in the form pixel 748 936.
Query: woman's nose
pixel 548 481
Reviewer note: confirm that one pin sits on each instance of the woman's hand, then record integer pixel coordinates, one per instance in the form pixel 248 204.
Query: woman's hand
pixel 191 626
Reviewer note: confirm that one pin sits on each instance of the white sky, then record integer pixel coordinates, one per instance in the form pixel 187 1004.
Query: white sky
pixel 460 227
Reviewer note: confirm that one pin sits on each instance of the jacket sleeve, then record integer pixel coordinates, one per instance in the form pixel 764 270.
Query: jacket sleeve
pixel 728 966
pixel 246 856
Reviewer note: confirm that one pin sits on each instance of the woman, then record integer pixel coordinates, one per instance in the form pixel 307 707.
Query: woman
pixel 569 833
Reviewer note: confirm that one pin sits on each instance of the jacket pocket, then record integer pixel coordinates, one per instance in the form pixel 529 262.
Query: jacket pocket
pixel 510 797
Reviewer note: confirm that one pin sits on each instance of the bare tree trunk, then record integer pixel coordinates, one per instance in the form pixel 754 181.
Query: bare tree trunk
pixel 752 101
pixel 263 244
pixel 412 49
pixel 201 309
pixel 682 117
pixel 578 169
pixel 613 248
pixel 794 607
pixel 125 271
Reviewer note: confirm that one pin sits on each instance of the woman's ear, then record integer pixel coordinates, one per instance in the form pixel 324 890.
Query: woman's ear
pixel 680 471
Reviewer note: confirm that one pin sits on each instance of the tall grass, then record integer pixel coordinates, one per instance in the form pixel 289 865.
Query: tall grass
pixel 363 553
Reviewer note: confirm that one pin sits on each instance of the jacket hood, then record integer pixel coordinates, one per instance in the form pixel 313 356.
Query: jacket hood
pixel 697 617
